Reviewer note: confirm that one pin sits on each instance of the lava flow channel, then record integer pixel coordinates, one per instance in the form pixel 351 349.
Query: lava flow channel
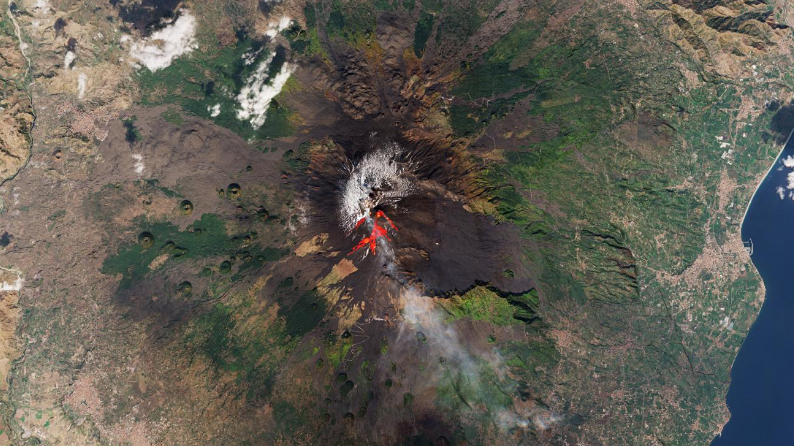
pixel 378 232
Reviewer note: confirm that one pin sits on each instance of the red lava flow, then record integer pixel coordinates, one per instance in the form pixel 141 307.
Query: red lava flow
pixel 378 231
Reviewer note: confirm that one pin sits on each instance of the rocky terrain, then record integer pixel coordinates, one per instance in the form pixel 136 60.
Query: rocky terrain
pixel 558 188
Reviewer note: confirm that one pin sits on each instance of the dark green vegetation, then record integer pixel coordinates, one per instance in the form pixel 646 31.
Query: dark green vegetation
pixel 487 305
pixel 423 29
pixel 352 21
pixel 248 353
pixel 457 20
pixel 5 239
pixel 304 315
pixel 564 91
pixel 173 116
pixel 460 392
pixel 206 237
pixel 608 215
pixel 249 346
pixel 132 135
pixel 213 76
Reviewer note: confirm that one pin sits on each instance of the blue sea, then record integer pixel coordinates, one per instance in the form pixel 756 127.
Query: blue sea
pixel 761 395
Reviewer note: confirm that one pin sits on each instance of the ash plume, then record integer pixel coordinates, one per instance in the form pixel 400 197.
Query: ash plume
pixel 421 317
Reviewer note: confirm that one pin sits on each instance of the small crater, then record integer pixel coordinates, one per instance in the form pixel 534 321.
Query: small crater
pixel 146 240
pixel 234 190
pixel 186 207
pixel 185 288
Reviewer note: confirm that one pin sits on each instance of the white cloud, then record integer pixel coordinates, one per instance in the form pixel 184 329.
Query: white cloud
pixel 12 286
pixel 276 27
pixel 42 6
pixel 68 59
pixel 138 163
pixel 82 79
pixel 780 192
pixel 259 91
pixel 727 156
pixel 214 110
pixel 250 56
pixel 788 161
pixel 790 180
pixel 161 48
pixel 16 286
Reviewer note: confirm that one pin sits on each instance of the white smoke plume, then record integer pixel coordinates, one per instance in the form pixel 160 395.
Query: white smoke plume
pixel 420 315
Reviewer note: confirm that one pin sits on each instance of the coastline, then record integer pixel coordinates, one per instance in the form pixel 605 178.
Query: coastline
pixel 762 288
pixel 759 183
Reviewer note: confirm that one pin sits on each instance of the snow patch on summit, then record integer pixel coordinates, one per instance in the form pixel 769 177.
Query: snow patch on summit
pixel 378 178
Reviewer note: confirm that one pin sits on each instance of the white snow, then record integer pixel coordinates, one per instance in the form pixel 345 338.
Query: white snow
pixel 214 110
pixel 68 59
pixel 138 163
pixel 379 170
pixel 82 79
pixel 259 91
pixel 162 47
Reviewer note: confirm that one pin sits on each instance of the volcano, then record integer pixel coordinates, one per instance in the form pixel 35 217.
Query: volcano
pixel 422 189
pixel 379 222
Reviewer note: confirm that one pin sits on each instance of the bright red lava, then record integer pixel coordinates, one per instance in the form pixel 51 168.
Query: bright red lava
pixel 378 231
